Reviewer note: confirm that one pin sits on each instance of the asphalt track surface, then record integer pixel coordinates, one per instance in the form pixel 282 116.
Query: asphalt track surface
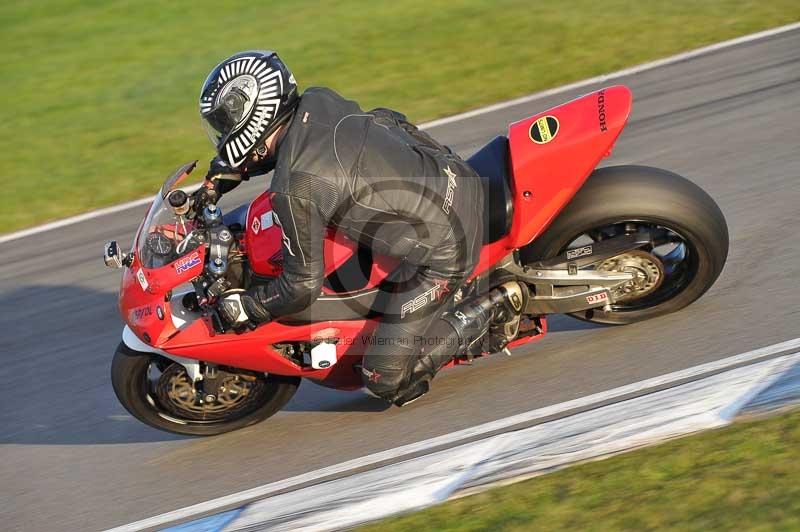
pixel 72 459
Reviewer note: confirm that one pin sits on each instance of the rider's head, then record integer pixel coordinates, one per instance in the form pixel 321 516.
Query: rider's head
pixel 244 101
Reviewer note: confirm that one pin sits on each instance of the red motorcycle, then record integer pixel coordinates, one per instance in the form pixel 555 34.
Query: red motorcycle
pixel 612 245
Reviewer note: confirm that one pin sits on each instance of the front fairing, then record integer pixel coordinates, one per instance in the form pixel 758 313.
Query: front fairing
pixel 152 291
pixel 167 254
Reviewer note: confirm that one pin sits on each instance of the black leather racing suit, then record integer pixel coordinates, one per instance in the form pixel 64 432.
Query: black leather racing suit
pixel 390 187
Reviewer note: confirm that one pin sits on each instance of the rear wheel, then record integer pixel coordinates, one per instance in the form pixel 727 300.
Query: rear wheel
pixel 687 227
pixel 159 392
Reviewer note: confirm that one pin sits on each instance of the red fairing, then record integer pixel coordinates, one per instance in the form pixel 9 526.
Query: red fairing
pixel 142 296
pixel 549 163
pixel 254 350
pixel 550 166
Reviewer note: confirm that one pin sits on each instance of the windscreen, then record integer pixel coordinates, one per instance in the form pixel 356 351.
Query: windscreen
pixel 165 236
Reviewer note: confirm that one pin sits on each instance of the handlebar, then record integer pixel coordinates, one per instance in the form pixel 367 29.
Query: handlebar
pixel 203 197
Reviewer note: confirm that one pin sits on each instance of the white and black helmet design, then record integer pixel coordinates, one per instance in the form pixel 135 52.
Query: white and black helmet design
pixel 244 100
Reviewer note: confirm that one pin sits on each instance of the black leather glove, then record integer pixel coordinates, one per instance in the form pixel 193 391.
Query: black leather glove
pixel 223 176
pixel 238 310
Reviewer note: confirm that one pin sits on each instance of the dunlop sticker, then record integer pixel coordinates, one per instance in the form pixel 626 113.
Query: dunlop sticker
pixel 544 129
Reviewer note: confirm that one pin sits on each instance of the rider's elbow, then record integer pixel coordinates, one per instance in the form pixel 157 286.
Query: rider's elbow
pixel 299 295
pixel 306 292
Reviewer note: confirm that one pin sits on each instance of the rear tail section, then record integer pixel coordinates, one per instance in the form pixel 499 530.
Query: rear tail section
pixel 553 153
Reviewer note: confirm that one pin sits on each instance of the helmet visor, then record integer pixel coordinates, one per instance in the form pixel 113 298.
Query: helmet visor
pixel 223 118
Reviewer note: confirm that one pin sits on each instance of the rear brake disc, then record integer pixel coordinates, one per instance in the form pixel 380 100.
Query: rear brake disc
pixel 647 271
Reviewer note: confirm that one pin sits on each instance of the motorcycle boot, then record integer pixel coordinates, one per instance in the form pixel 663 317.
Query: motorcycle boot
pixel 461 331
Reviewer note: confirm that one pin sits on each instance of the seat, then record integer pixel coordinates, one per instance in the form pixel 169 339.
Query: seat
pixel 492 163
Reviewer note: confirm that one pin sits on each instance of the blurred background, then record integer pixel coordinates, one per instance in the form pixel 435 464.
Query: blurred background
pixel 100 97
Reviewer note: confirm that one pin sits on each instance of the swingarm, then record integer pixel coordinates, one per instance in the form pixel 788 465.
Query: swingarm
pixel 570 282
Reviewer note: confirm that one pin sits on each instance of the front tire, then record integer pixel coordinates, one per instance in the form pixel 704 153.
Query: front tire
pixel 643 197
pixel 165 406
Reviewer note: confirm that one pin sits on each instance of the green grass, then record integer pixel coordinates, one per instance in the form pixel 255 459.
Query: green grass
pixel 743 477
pixel 99 97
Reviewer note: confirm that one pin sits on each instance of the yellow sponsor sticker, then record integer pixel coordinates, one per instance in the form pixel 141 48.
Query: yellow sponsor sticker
pixel 544 129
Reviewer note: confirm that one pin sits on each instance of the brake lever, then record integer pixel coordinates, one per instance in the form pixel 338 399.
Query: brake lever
pixel 216 322
pixel 219 327
pixel 202 197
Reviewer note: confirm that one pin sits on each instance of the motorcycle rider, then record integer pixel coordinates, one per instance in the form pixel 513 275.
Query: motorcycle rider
pixel 382 182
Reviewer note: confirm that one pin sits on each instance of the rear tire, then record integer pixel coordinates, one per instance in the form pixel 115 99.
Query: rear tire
pixel 620 194
pixel 132 385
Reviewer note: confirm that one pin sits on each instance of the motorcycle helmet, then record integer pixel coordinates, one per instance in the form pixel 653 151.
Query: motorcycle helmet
pixel 244 100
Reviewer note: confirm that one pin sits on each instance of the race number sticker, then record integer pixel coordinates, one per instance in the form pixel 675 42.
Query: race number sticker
pixel 142 279
pixel 139 313
pixel 544 129
pixel 597 298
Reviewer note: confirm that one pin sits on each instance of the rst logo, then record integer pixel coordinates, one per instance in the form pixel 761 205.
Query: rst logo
pixel 597 298
pixel 187 263
pixel 421 300
pixel 451 189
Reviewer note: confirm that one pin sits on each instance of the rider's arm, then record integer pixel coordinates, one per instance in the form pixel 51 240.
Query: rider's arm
pixel 303 225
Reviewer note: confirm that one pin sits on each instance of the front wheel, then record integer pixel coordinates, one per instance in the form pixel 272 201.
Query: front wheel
pixel 689 234
pixel 158 392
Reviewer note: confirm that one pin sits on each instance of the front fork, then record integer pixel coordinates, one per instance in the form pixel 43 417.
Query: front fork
pixel 205 378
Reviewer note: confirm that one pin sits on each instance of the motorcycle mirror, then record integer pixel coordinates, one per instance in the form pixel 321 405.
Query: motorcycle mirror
pixel 113 257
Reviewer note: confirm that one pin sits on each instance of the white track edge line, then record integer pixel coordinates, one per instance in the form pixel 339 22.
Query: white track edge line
pixel 455 118
pixel 636 69
pixel 74 219
pixel 83 217
pixel 245 496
